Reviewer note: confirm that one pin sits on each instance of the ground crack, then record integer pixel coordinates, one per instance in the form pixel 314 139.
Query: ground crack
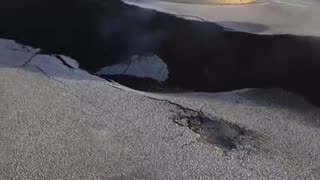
pixel 31 58
pixel 59 57
pixel 215 130
pixel 64 62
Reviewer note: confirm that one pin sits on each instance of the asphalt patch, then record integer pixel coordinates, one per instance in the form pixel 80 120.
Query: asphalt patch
pixel 219 132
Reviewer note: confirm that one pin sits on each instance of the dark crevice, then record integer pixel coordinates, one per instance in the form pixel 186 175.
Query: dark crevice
pixel 31 58
pixel 200 56
pixel 64 62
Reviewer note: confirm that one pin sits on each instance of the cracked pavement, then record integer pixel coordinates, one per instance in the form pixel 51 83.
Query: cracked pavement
pixel 61 122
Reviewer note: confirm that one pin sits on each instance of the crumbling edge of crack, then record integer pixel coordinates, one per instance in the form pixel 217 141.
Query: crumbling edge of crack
pixel 39 52
pixel 190 114
pixel 248 140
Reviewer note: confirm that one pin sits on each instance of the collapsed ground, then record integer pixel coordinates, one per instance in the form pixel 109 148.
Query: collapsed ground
pixel 200 56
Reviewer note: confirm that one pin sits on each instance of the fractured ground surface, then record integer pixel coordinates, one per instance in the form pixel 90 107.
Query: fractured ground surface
pixel 199 56
pixel 59 121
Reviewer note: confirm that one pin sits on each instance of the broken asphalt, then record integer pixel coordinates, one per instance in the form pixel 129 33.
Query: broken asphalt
pixel 58 121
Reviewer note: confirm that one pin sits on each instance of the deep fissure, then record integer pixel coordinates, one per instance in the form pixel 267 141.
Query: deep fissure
pixel 201 56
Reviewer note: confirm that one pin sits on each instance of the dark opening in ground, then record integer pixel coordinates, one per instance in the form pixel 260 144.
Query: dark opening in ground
pixel 200 56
